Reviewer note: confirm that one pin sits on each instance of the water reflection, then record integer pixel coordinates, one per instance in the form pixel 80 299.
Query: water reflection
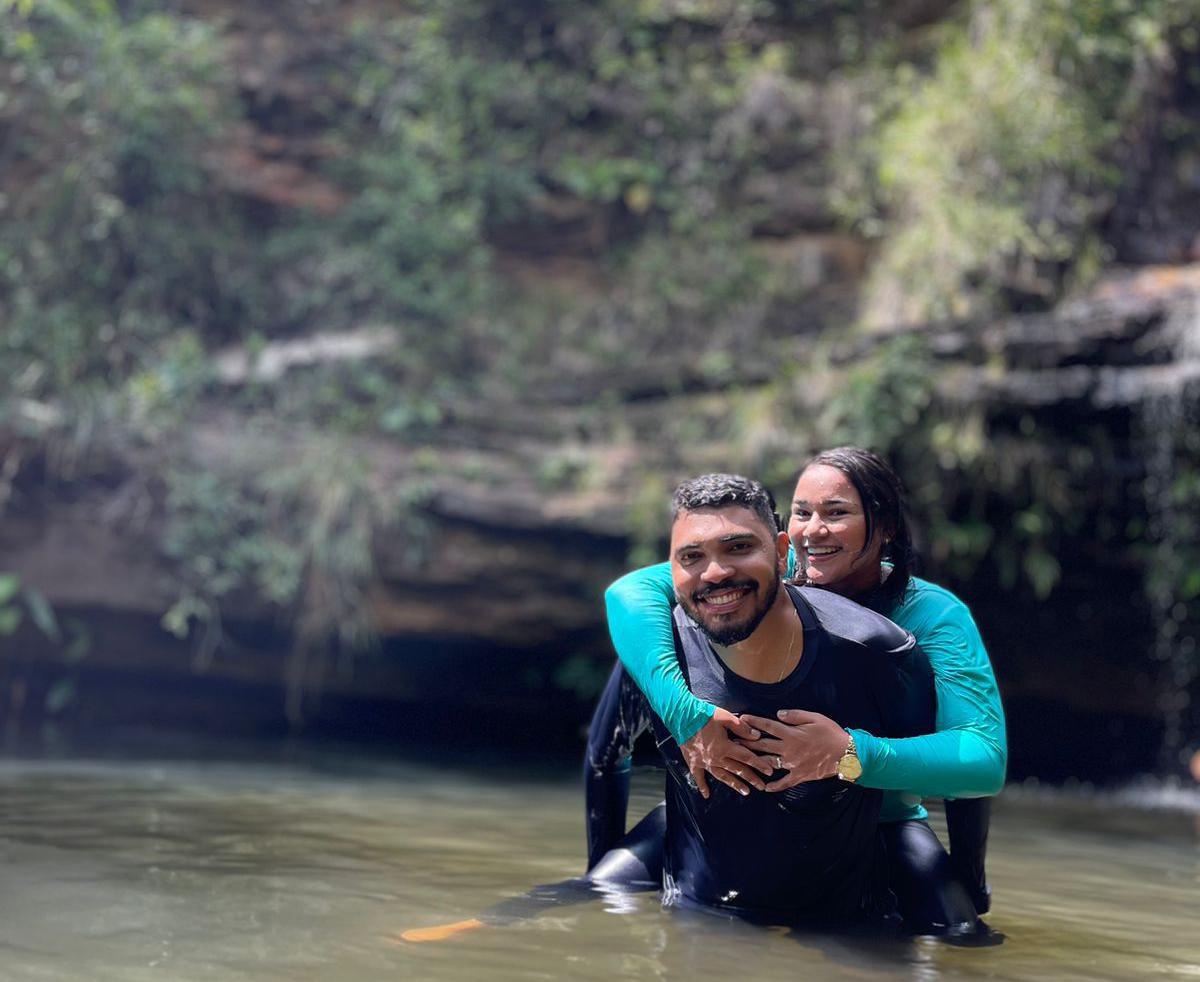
pixel 184 871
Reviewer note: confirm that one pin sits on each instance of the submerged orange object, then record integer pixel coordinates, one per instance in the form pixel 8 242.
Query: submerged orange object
pixel 441 931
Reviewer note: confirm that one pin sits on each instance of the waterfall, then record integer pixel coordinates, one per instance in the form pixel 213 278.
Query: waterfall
pixel 1170 420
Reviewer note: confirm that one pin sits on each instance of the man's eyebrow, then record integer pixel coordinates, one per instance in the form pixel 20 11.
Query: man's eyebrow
pixel 732 537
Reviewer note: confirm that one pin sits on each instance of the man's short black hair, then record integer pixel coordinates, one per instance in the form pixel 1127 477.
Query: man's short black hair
pixel 723 490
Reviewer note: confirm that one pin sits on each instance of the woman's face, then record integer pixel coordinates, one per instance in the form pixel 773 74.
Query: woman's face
pixel 828 529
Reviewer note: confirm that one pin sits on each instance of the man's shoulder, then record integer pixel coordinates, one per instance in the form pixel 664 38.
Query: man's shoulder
pixel 683 621
pixel 850 621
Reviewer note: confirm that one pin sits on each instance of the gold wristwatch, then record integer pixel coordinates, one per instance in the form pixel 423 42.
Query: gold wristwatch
pixel 848 767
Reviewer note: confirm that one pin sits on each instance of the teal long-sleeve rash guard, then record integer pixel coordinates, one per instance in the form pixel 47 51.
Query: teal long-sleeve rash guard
pixel 966 756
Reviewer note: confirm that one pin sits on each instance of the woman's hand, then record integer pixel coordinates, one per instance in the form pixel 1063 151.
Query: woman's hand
pixel 807 745
pixel 712 749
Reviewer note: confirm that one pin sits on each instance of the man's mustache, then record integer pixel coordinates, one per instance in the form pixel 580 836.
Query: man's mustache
pixel 698 595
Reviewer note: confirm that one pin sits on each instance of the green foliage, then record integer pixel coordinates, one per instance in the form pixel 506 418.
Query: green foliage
pixel 469 138
pixel 648 523
pixel 296 533
pixel 433 168
pixel 565 469
pixel 883 397
pixel 10 614
pixel 981 497
pixel 988 168
pixel 16 601
pixel 109 122
pixel 450 127
pixel 1172 489
pixel 162 394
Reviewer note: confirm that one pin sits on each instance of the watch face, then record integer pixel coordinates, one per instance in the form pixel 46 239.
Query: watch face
pixel 849 768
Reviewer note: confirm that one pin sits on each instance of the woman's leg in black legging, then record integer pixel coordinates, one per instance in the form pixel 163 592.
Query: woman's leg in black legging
pixel 929 895
pixel 967 823
pixel 636 861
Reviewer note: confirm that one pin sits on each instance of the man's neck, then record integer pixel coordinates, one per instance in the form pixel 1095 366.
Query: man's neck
pixel 775 647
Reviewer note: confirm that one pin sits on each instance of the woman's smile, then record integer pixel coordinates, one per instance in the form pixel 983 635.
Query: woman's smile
pixel 828 529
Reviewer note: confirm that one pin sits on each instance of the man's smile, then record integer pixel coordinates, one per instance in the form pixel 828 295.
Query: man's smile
pixel 723 599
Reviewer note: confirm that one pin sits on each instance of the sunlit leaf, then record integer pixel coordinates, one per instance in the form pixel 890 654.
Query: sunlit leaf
pixel 10 620
pixel 10 584
pixel 41 613
pixel 60 695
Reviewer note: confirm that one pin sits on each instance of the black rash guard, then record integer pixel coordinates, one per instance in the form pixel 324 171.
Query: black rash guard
pixel 809 853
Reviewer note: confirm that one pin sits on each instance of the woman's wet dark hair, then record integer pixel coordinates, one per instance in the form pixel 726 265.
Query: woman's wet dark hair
pixel 882 496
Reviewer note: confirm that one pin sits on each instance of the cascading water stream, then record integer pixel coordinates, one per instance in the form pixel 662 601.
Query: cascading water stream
pixel 1170 419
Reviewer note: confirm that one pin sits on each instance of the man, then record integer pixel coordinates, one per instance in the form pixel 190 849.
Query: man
pixel 746 641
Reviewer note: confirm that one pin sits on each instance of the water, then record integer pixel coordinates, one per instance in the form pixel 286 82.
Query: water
pixel 185 871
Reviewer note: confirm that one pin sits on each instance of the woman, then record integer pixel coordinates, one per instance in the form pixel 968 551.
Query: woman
pixel 849 534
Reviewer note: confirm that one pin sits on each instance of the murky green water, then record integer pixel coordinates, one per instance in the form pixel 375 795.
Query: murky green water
pixel 186 872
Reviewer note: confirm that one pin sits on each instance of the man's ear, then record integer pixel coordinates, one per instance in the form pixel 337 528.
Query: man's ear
pixel 781 548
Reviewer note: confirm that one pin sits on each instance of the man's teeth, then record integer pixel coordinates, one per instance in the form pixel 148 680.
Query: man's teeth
pixel 722 598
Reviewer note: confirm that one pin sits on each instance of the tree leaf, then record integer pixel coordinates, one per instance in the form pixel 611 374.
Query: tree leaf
pixel 61 695
pixel 10 584
pixel 10 620
pixel 42 613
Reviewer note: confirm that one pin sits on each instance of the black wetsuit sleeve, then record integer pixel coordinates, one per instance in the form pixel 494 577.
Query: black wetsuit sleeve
pixel 904 691
pixel 621 716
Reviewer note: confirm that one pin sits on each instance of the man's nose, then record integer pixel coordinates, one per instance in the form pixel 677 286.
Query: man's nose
pixel 715 572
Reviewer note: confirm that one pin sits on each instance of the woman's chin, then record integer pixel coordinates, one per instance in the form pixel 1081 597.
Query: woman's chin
pixel 818 577
pixel 823 579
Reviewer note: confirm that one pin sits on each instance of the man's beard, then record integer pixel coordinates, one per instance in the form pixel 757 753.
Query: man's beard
pixel 731 632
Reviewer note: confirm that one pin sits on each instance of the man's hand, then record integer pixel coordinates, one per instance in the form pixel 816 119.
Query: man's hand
pixel 712 749
pixel 807 745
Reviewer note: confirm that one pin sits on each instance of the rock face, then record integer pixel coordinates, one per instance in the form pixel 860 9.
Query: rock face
pixel 1070 425
pixel 516 551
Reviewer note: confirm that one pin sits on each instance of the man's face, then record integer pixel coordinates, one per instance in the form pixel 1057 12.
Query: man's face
pixel 726 566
